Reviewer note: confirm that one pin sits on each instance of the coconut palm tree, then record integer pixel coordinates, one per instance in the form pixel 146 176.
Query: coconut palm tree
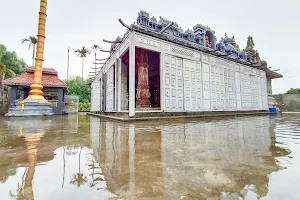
pixel 32 40
pixel 82 53
pixel 95 48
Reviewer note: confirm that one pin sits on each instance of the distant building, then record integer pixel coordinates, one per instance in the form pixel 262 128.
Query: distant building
pixel 54 89
pixel 157 66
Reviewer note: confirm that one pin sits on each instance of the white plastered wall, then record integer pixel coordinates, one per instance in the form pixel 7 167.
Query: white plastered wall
pixel 195 81
pixel 95 96
pixel 99 100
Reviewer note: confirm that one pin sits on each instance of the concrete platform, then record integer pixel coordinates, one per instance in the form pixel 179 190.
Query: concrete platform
pixel 145 116
pixel 32 108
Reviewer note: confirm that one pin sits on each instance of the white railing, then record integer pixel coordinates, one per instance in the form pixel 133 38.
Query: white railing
pixel 53 103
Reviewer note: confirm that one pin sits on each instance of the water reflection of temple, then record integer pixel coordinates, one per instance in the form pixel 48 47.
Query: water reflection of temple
pixel 196 159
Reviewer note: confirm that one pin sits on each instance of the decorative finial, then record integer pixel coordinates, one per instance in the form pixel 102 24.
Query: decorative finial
pixel 153 20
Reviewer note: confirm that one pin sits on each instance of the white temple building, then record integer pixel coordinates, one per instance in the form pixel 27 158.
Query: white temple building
pixel 158 67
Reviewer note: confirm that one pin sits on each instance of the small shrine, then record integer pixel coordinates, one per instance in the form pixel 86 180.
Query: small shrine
pixel 54 89
pixel 157 66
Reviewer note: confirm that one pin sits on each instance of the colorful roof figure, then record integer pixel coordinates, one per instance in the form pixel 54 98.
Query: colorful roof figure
pixel 49 79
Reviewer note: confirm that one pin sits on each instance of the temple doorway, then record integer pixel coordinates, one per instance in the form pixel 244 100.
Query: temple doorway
pixel 147 79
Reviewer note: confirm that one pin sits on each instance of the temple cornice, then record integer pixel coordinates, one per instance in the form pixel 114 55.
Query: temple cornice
pixel 201 48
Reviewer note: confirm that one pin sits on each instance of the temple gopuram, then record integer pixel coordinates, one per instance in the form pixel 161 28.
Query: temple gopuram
pixel 156 66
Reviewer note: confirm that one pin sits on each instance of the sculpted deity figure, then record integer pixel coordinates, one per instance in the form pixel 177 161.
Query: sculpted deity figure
pixel 207 43
pixel 143 93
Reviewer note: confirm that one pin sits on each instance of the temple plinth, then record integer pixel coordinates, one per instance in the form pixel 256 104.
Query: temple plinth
pixel 143 93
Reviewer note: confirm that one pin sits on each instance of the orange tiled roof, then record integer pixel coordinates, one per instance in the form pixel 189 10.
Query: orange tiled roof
pixel 49 79
pixel 45 70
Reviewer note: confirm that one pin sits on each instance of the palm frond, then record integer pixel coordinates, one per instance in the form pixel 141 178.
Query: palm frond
pixel 9 73
pixel 96 47
pixel 88 51
pixel 83 52
pixel 25 40
pixel 32 40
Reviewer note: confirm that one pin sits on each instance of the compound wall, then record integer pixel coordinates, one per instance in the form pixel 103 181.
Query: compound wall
pixel 4 99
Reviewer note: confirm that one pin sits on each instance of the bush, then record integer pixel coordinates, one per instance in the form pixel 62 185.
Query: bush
pixel 80 88
pixel 293 91
pixel 84 106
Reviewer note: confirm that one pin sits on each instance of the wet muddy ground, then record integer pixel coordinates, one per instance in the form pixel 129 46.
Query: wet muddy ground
pixel 81 157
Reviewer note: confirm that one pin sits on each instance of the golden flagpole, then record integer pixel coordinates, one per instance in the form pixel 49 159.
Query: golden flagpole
pixel 35 104
pixel 36 86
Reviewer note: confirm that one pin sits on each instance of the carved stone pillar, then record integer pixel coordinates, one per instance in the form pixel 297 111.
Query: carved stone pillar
pixel 142 93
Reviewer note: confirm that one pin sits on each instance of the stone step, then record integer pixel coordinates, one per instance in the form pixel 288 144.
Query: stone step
pixel 31 108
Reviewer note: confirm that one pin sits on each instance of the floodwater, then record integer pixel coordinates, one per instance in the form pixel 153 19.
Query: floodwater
pixel 78 157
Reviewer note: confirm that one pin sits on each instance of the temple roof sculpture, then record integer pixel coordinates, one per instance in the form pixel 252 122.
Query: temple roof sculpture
pixel 201 38
pixel 229 47
pixel 253 55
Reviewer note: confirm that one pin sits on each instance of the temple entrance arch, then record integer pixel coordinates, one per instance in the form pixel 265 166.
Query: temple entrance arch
pixel 147 80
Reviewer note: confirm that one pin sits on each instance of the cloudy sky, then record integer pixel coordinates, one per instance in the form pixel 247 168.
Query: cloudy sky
pixel 274 25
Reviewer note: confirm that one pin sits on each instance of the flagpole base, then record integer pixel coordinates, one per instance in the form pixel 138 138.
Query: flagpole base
pixel 30 108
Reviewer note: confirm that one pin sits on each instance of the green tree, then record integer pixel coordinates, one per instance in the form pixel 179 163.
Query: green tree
pixel 14 65
pixel 82 53
pixel 32 40
pixel 250 42
pixel 293 91
pixel 3 50
pixel 2 71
